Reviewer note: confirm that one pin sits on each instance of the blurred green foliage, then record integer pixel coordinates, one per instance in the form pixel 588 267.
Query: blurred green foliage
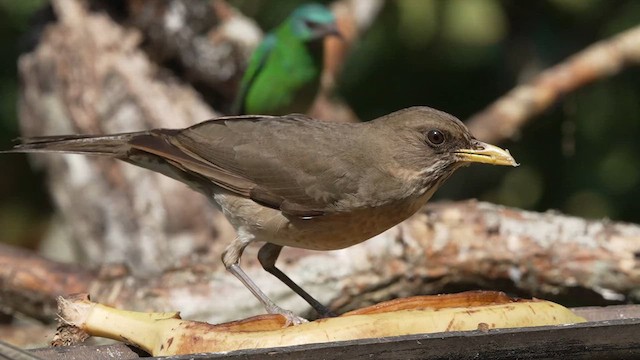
pixel 580 157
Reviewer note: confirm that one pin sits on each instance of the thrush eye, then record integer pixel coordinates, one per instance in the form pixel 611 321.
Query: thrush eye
pixel 435 137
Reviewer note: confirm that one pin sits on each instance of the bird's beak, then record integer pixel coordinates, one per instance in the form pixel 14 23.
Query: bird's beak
pixel 336 32
pixel 487 154
pixel 330 30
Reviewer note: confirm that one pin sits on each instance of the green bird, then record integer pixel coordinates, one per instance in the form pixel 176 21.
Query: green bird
pixel 283 75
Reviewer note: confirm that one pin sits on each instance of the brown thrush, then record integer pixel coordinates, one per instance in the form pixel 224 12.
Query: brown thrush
pixel 295 181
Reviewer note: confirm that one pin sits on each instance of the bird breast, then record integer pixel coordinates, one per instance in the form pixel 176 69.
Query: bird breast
pixel 327 232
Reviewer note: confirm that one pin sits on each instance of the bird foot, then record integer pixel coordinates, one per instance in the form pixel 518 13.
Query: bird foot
pixel 290 317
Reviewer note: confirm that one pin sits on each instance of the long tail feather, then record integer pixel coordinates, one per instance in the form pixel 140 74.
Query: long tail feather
pixel 110 145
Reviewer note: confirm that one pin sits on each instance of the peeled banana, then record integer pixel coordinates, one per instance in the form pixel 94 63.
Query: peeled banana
pixel 163 334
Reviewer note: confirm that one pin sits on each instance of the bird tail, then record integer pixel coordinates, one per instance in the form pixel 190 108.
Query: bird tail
pixel 116 145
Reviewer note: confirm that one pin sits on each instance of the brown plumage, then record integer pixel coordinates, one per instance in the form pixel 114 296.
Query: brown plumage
pixel 295 181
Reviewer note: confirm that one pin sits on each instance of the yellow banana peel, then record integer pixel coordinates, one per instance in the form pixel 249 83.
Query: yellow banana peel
pixel 163 334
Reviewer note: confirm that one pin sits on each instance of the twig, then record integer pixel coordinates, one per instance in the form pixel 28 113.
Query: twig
pixel 502 119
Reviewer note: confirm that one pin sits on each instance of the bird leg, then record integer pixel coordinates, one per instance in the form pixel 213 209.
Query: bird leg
pixel 231 259
pixel 267 256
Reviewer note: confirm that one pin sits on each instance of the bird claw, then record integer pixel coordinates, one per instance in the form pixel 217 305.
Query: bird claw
pixel 293 319
pixel 290 317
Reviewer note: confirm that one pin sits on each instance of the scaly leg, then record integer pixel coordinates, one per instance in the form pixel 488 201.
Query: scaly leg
pixel 267 256
pixel 231 259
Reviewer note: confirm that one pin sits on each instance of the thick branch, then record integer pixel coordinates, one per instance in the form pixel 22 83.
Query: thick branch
pixel 445 247
pixel 29 283
pixel 502 119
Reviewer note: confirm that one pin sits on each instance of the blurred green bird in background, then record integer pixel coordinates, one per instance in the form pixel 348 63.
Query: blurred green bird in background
pixel 283 75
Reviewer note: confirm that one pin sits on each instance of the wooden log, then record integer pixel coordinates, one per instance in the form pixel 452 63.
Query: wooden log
pixel 444 248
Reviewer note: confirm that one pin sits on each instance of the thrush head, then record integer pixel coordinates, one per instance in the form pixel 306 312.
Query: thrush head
pixel 436 143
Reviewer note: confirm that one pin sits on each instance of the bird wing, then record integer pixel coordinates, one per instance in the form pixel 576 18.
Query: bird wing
pixel 292 163
pixel 256 63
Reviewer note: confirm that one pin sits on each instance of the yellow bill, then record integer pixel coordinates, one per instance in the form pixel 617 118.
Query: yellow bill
pixel 486 154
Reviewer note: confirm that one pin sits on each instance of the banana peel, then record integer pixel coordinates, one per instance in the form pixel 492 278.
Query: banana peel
pixel 164 334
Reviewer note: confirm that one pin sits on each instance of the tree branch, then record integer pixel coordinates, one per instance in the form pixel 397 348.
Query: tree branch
pixel 502 119
pixel 446 247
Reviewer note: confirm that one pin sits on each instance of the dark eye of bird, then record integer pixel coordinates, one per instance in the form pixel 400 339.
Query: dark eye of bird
pixel 311 25
pixel 435 137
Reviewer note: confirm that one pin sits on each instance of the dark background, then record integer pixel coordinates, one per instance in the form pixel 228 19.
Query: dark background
pixel 580 157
